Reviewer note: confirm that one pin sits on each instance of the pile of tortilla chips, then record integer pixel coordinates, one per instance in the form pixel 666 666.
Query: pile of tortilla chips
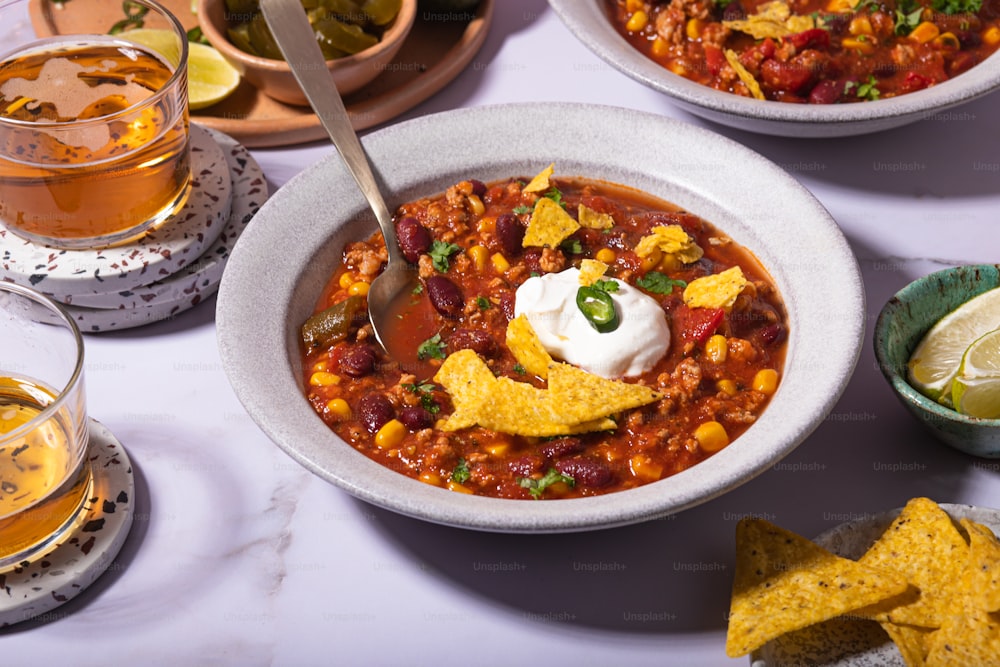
pixel 931 584
pixel 575 401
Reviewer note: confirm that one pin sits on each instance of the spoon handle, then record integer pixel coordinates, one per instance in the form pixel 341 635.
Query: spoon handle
pixel 297 42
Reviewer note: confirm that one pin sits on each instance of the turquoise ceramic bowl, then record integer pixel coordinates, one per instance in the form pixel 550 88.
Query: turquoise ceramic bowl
pixel 904 320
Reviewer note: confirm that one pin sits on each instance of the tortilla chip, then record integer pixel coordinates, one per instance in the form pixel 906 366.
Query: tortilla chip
pixel 591 219
pixel 774 20
pixel 970 637
pixel 670 240
pixel 923 545
pixel 715 291
pixel 784 582
pixel 527 349
pixel 591 270
pixel 469 382
pixel 983 574
pixel 549 225
pixel 913 642
pixel 744 74
pixel 586 396
pixel 522 409
pixel 540 183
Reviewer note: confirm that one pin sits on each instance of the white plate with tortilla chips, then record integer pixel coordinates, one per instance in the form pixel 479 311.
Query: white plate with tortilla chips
pixel 289 251
pixel 855 641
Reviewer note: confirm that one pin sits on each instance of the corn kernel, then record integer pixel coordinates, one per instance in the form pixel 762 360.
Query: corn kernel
pixel 727 387
pixel 346 280
pixel 479 255
pixel 677 68
pixel 860 25
pixel 476 205
pixel 660 47
pixel 390 435
pixel 840 5
pixel 339 408
pixel 458 488
pixel 634 5
pixel 486 224
pixel 360 288
pixel 431 478
pixel 652 260
pixel 924 32
pixel 323 379
pixel 498 448
pixel 668 263
pixel 711 436
pixel 766 381
pixel 693 28
pixel 862 46
pixel 637 21
pixel 644 468
pixel 947 41
pixel 321 365
pixel 992 36
pixel 606 255
pixel 500 262
pixel 716 348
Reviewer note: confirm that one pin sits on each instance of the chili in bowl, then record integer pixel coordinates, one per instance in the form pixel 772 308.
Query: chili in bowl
pixel 524 445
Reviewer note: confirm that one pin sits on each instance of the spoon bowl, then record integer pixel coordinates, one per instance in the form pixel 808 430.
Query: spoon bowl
pixel 295 39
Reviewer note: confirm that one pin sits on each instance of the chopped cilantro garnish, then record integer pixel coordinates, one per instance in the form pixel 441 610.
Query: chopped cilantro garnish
pixel 555 194
pixel 425 391
pixel 461 473
pixel 418 289
pixel 522 209
pixel 958 6
pixel 908 14
pixel 432 348
pixel 866 90
pixel 659 283
pixel 606 285
pixel 572 246
pixel 519 369
pixel 483 303
pixel 536 487
pixel 440 252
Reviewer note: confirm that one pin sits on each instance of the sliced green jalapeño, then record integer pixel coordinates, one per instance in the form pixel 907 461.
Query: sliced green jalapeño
pixel 598 307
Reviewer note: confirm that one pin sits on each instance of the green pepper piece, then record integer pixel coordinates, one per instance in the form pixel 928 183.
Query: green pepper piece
pixel 333 324
pixel 342 36
pixel 240 37
pixel 381 12
pixel 598 307
pixel 347 11
pixel 246 7
pixel 262 39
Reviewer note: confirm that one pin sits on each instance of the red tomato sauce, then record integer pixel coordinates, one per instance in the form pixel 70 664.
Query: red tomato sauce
pixel 387 408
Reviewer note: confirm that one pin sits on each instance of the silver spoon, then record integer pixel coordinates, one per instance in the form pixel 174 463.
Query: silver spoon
pixel 297 42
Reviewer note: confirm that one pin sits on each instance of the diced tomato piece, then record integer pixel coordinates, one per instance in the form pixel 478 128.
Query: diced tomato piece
pixel 714 59
pixel 778 75
pixel 914 81
pixel 697 323
pixel 814 38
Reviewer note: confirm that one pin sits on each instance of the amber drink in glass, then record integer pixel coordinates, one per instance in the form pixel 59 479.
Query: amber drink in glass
pixel 45 479
pixel 93 127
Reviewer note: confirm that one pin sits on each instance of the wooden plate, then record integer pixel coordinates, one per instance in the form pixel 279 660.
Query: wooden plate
pixel 435 52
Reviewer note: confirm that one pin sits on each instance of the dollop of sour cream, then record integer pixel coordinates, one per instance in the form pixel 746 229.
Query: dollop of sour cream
pixel 642 338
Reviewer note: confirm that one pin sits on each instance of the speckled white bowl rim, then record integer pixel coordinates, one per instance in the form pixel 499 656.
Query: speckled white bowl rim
pixel 589 22
pixel 296 239
pixel 851 540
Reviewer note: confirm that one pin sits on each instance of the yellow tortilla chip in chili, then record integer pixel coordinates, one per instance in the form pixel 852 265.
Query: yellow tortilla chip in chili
pixel 540 183
pixel 522 409
pixel 923 545
pixel 527 349
pixel 983 574
pixel 470 383
pixel 969 637
pixel 716 291
pixel 587 396
pixel 669 240
pixel 591 270
pixel 784 582
pixel 744 74
pixel 773 19
pixel 549 225
pixel 591 219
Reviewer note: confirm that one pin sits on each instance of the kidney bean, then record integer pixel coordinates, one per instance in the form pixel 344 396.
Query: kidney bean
pixel 374 410
pixel 472 339
pixel 584 471
pixel 560 447
pixel 478 187
pixel 445 296
pixel 416 418
pixel 507 304
pixel 773 333
pixel 414 239
pixel 510 234
pixel 826 92
pixel 358 361
pixel 733 12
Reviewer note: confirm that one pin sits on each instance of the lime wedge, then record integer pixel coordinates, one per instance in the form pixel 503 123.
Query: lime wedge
pixel 976 389
pixel 936 360
pixel 210 76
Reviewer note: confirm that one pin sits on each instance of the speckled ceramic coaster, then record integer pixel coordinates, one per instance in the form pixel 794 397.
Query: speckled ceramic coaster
pixel 249 192
pixel 173 295
pixel 38 586
pixel 183 238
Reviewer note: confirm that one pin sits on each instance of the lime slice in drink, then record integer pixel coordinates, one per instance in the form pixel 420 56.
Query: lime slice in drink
pixel 210 76
pixel 976 389
pixel 935 363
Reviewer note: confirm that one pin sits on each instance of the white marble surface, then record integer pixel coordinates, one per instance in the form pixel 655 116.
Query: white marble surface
pixel 240 557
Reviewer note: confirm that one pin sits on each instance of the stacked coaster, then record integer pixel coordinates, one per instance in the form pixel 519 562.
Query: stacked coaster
pixel 169 270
